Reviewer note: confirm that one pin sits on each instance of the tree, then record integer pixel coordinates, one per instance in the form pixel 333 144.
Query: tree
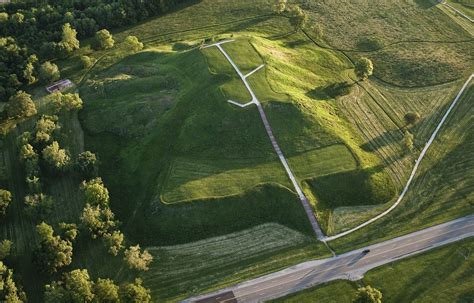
pixel 103 40
pixel 5 200
pixel 368 295
pixel 49 72
pixel 39 205
pixel 56 157
pixel 280 6
pixel 95 193
pixel 135 293
pixel 68 231
pixel 86 61
pixel 23 139
pixel 27 152
pixel 3 17
pixel 9 292
pixel 364 68
pixel 44 128
pixel 53 252
pixel 29 73
pixel 67 102
pixel 20 105
pixel 114 242
pixel 408 141
pixel 411 118
pixel 133 44
pixel 98 220
pixel 69 39
pixel 136 259
pixel 88 164
pixel 5 249
pixel 298 17
pixel 75 287
pixel 105 290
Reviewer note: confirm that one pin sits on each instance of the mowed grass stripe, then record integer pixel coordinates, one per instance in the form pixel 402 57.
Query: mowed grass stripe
pixel 441 190
pixel 190 268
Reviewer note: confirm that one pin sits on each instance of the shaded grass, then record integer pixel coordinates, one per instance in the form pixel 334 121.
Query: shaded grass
pixel 361 187
pixel 442 275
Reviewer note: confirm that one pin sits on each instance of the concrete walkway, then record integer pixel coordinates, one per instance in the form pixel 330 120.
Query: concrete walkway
pixel 349 266
pixel 304 201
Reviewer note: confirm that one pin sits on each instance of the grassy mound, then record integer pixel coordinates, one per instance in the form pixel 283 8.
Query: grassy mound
pixel 360 187
pixel 190 179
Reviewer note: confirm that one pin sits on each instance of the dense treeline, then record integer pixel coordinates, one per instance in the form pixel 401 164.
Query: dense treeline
pixel 34 29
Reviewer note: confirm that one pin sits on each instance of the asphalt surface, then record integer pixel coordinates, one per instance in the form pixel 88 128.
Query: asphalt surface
pixel 351 265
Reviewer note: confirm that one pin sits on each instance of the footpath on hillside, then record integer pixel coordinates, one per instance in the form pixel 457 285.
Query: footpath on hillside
pixel 304 201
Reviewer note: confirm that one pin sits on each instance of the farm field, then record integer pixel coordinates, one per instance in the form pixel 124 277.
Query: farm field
pixel 195 179
pixel 444 274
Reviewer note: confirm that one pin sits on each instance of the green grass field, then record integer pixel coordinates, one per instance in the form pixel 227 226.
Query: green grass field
pixel 442 275
pixel 444 168
pixel 160 122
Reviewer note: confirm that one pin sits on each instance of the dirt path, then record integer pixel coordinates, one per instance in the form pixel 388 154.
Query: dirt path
pixel 304 201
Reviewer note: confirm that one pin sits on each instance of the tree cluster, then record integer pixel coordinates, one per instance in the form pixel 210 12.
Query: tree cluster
pixel 50 29
pixel 77 286
pixel 9 292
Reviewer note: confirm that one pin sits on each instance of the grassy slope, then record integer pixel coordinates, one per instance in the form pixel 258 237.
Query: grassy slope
pixel 445 168
pixel 443 275
pixel 189 269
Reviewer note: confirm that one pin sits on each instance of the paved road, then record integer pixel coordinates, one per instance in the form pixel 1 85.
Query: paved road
pixel 351 265
pixel 307 207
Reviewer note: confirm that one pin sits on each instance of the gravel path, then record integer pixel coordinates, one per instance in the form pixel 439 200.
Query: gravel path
pixel 307 207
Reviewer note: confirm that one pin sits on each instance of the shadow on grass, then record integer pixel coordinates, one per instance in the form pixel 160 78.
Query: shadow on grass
pixel 330 91
pixel 385 139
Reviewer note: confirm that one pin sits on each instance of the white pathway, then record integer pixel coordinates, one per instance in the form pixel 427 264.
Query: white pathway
pixel 415 168
pixel 455 10
pixel 307 207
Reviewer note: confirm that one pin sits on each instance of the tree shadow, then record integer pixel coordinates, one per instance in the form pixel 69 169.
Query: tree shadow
pixel 245 24
pixel 296 43
pixel 330 91
pixel 388 137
